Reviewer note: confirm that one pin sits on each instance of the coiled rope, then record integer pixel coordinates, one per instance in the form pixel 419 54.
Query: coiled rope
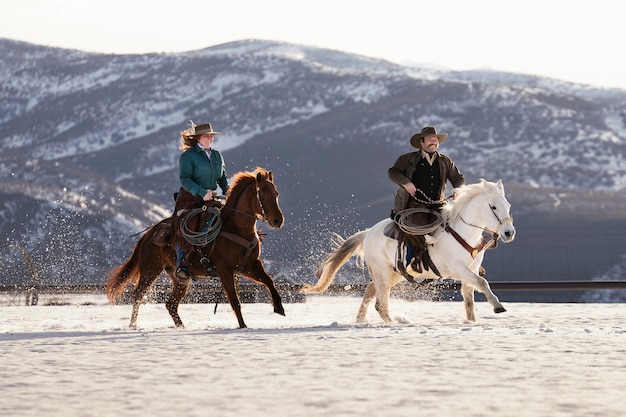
pixel 209 231
pixel 403 220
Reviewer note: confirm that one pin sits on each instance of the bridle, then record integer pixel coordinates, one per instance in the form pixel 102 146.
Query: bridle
pixel 262 216
pixel 501 222
pixel 249 245
pixel 483 245
pixel 258 197
pixel 486 229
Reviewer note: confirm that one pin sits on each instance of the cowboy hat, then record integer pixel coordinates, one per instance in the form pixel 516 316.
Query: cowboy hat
pixel 428 130
pixel 205 129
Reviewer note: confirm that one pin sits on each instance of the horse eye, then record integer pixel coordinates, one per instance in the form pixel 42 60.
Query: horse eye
pixel 493 207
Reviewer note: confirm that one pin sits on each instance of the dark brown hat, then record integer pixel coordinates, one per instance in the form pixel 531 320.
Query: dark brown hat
pixel 428 130
pixel 205 129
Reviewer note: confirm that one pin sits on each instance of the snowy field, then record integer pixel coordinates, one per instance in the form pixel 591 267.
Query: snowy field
pixel 534 360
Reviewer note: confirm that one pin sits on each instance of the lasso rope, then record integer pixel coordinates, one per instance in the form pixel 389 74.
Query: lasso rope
pixel 209 231
pixel 403 221
pixel 428 199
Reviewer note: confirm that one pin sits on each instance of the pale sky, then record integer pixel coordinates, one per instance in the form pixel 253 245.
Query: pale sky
pixel 572 40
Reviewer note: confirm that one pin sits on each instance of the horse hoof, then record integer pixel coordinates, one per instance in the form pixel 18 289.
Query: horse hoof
pixel 499 309
pixel 279 310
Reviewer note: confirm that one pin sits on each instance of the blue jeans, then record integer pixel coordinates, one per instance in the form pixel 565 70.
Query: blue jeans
pixel 180 255
pixel 410 252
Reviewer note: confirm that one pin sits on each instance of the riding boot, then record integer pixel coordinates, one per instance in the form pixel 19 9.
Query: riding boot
pixel 415 266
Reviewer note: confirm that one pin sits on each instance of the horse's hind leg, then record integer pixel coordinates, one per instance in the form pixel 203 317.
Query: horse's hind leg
pixel 370 293
pixel 382 303
pixel 144 284
pixel 179 290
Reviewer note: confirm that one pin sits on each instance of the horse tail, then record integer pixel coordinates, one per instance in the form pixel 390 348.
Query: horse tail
pixel 344 250
pixel 126 273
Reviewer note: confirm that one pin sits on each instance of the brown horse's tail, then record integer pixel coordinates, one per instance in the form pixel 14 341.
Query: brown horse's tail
pixel 344 250
pixel 126 273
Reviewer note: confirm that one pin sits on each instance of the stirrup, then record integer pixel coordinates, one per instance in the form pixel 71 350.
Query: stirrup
pixel 401 269
pixel 414 267
pixel 182 273
pixel 209 267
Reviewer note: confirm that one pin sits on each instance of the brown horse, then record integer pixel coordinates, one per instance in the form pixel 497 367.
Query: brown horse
pixel 235 250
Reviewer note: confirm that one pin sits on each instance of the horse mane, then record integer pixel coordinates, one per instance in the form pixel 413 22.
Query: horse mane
pixel 464 195
pixel 241 180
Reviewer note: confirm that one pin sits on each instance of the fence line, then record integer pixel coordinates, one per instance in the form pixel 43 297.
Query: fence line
pixel 211 291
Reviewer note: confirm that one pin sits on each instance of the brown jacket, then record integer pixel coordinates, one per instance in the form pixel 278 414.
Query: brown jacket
pixel 402 171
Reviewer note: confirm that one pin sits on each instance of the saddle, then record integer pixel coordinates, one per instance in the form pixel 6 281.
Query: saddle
pixel 185 202
pixel 163 233
pixel 392 231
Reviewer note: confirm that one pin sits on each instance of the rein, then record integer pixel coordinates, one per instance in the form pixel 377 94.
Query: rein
pixel 249 245
pixel 474 251
pixel 261 216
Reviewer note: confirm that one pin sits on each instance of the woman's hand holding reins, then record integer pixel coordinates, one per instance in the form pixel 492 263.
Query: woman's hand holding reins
pixel 209 195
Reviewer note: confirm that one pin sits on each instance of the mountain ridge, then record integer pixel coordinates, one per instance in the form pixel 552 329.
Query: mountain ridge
pixel 328 123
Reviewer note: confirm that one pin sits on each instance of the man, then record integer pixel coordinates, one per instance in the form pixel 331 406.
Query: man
pixel 422 176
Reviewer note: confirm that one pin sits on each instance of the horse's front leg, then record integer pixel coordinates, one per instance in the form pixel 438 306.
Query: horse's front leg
pixel 476 281
pixel 228 286
pixel 256 272
pixel 468 300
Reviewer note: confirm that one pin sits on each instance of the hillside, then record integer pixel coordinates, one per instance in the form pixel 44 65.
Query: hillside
pixel 89 149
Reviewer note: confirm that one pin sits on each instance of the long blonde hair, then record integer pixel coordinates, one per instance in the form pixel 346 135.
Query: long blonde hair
pixel 188 138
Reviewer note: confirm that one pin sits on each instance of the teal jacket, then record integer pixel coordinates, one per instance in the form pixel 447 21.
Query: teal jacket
pixel 199 173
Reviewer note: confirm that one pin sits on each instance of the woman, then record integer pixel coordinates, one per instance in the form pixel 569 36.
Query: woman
pixel 201 170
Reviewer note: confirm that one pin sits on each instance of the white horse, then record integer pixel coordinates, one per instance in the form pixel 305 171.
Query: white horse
pixel 456 249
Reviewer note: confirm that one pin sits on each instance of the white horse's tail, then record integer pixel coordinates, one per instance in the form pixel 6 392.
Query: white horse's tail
pixel 344 250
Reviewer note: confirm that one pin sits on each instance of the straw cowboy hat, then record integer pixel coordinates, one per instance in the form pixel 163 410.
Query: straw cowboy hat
pixel 428 130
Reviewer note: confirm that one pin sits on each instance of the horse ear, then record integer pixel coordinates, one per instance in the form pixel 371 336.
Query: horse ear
pixel 500 184
pixel 270 176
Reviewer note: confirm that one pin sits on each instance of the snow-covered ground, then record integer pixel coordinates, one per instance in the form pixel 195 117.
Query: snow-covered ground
pixel 534 360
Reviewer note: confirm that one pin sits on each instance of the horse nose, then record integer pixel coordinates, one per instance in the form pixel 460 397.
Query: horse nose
pixel 278 222
pixel 509 234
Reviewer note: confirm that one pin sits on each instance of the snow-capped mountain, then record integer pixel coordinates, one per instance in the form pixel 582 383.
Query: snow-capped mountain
pixel 97 134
